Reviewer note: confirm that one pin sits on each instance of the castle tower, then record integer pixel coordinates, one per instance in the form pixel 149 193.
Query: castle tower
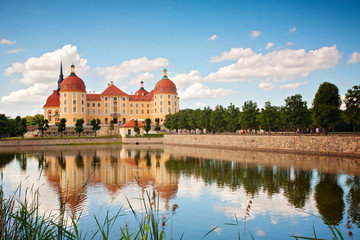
pixel 73 98
pixel 165 99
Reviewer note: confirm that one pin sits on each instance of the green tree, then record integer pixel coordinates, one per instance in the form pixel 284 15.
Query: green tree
pixel 62 126
pixel 269 117
pixel 296 112
pixel 147 126
pixel 32 121
pixel 43 125
pixel 204 118
pixel 217 121
pixel 352 103
pixel 79 126
pixel 326 106
pixel 3 126
pixel 157 124
pixel 111 126
pixel 136 127
pixel 231 117
pixel 22 127
pixel 249 115
pixel 95 123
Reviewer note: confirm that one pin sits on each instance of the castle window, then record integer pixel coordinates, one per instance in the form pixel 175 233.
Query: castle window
pixel 160 96
pixel 169 103
pixel 123 105
pixel 110 94
pixel 74 119
pixel 131 105
pixel 82 109
pixel 169 111
pixel 98 111
pixel 168 89
pixel 105 98
pixel 74 101
pixel 50 116
pixel 106 105
pixel 161 110
pixel 161 89
pixel 148 111
pixel 82 102
pixel 74 109
pixel 82 95
pixel 88 111
pixel 148 105
pixel 160 103
pixel 69 82
pixel 137 105
pixel 64 102
pixel 74 86
pixel 98 104
pixel 65 87
pixel 106 112
pixel 93 111
pixel 142 111
pixel 93 105
pixel 136 99
pixel 65 109
pixel 74 95
pixel 123 111
pixel 114 98
pixel 137 112
pixel 131 111
pixel 123 99
pixel 168 96
pixel 88 104
pixel 65 93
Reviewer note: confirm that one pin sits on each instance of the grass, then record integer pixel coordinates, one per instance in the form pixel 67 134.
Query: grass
pixel 22 219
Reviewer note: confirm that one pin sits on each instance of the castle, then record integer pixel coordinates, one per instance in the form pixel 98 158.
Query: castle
pixel 72 102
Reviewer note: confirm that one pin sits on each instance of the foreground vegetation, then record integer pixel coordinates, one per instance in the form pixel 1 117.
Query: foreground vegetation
pixel 22 219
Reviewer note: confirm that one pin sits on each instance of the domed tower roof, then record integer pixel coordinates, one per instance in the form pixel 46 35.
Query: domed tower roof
pixel 53 100
pixel 72 83
pixel 165 85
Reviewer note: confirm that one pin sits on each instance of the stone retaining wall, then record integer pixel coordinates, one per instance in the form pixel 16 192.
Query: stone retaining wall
pixel 144 140
pixel 57 141
pixel 304 144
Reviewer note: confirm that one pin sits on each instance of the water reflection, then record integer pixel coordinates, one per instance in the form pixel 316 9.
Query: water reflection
pixel 296 181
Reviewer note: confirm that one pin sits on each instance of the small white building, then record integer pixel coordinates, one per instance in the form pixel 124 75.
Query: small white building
pixel 128 128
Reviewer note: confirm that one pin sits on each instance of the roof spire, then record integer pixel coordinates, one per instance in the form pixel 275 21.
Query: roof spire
pixel 61 77
pixel 72 69
pixel 165 74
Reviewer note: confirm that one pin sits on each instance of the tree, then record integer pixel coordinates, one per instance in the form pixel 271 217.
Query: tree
pixel 204 118
pixel 111 126
pixel 217 121
pixel 79 126
pixel 62 126
pixel 136 127
pixel 269 116
pixel 326 106
pixel 249 115
pixel 147 126
pixel 296 112
pixel 157 124
pixel 32 121
pixel 231 117
pixel 352 103
pixel 21 127
pixel 43 125
pixel 95 123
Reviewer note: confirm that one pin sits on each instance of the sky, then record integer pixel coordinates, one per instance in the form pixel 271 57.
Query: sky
pixel 216 51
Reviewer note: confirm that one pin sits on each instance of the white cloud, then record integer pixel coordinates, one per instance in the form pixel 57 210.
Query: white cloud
pixel 342 106
pixel 266 85
pixel 199 90
pixel 260 233
pixel 213 37
pixel 33 94
pixel 16 50
pixel 185 79
pixel 145 77
pixel 292 29
pixel 200 105
pixel 132 67
pixel 284 65
pixel 7 42
pixel 289 43
pixel 233 54
pixel 45 69
pixel 355 57
pixel 255 34
pixel 292 85
pixel 269 45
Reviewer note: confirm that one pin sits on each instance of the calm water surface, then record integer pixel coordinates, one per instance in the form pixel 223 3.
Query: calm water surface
pixel 212 187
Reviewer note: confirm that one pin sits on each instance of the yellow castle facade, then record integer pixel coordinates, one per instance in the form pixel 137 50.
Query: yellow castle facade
pixel 71 101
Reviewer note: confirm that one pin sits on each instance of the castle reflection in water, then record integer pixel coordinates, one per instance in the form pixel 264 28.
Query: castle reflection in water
pixel 70 173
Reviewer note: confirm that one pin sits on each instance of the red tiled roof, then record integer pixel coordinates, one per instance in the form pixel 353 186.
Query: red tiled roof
pixel 140 98
pixel 165 85
pixel 131 124
pixel 141 92
pixel 93 97
pixel 72 84
pixel 53 100
pixel 113 90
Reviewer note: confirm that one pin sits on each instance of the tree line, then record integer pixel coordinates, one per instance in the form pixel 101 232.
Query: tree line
pixel 294 115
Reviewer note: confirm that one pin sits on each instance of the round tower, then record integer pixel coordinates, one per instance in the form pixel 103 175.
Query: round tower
pixel 166 100
pixel 72 98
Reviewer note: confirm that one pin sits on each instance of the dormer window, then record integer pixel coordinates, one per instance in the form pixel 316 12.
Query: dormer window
pixel 110 93
pixel 74 86
pixel 65 87
pixel 69 82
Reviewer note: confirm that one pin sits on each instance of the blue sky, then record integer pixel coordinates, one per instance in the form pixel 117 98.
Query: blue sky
pixel 217 52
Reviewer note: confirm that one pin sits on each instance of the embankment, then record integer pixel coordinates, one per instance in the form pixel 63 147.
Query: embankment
pixel 302 144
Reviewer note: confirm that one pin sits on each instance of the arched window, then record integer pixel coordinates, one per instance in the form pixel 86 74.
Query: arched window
pixel 49 116
pixel 65 87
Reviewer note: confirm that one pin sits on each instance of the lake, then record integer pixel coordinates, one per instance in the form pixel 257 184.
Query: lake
pixel 212 188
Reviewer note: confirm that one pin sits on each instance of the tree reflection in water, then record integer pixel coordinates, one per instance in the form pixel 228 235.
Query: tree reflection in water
pixel 329 198
pixel 353 199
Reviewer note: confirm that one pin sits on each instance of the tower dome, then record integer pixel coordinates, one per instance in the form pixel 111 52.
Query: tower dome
pixel 72 83
pixel 165 85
